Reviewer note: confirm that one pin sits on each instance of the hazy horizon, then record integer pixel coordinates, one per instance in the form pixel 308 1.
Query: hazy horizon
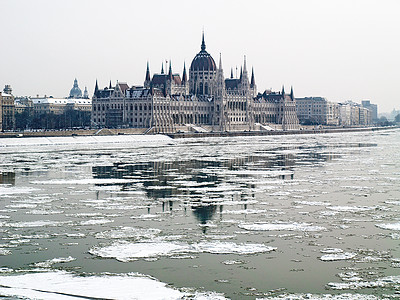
pixel 341 50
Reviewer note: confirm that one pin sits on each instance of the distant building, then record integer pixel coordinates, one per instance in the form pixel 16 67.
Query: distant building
pixel 47 105
pixel 353 114
pixel 373 108
pixel 204 101
pixel 76 92
pixel 7 109
pixel 317 110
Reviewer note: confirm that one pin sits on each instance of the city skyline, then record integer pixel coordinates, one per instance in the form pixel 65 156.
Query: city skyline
pixel 338 50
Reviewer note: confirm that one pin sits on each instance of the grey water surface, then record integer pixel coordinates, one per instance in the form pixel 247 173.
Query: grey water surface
pixel 241 218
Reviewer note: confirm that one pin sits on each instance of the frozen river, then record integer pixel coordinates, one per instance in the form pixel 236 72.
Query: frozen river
pixel 149 217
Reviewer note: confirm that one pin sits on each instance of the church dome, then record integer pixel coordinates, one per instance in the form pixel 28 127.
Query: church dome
pixel 203 60
pixel 75 91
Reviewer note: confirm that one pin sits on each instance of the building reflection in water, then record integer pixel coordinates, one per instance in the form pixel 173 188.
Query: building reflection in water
pixel 192 179
pixel 7 178
pixel 204 214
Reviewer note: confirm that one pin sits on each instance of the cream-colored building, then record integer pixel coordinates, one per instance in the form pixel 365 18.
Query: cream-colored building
pixel 7 109
pixel 204 101
pixel 353 114
pixel 46 105
pixel 317 110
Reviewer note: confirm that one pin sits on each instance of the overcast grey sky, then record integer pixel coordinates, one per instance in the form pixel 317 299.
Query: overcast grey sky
pixel 341 49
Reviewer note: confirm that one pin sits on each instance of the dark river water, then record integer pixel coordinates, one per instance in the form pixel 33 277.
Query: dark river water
pixel 149 217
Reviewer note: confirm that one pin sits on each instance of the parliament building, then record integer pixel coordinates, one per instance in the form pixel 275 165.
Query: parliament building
pixel 204 101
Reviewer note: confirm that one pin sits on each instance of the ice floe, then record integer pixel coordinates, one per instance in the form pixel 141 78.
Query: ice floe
pixel 96 222
pixel 393 226
pixel 4 252
pixel 313 203
pixel 245 211
pixel 282 226
pixel 16 190
pixel 338 256
pixel 39 223
pixel 346 296
pixel 84 181
pixel 352 208
pixel 50 262
pixel 125 251
pixel 63 285
pixel 384 282
pixel 128 232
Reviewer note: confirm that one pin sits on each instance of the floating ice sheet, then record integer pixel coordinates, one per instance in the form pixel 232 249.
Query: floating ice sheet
pixel 282 226
pixel 50 262
pixel 337 256
pixel 125 251
pixel 16 190
pixel 128 232
pixel 84 181
pixel 384 282
pixel 346 296
pixel 63 285
pixel 393 226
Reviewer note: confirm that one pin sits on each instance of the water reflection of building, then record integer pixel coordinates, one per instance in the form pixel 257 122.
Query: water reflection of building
pixel 7 178
pixel 161 179
pixel 204 214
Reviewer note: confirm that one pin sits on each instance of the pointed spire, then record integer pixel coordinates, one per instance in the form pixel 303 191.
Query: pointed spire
pixel 148 72
pixel 244 64
pixel 220 62
pixel 291 93
pixel 184 76
pixel 283 90
pixel 252 81
pixel 170 70
pixel 162 68
pixel 203 44
pixel 96 89
pixel 231 73
pixel 110 86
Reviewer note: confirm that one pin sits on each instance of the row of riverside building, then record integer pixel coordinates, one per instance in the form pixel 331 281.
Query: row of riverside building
pixel 317 110
pixel 201 100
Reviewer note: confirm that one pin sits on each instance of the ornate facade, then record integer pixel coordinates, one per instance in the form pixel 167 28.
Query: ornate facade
pixel 7 109
pixel 204 101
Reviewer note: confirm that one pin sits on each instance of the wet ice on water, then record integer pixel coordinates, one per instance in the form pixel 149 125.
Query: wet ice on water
pixel 276 217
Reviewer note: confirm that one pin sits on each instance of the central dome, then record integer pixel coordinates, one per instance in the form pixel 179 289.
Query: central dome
pixel 203 60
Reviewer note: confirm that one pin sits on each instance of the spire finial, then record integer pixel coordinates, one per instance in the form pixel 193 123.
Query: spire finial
pixel 162 68
pixel 96 88
pixel 148 72
pixel 291 93
pixel 231 73
pixel 184 76
pixel 252 81
pixel 220 61
pixel 170 70
pixel 203 44
pixel 283 90
pixel 244 64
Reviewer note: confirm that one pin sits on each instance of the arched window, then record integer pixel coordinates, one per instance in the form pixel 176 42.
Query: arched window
pixel 206 88
pixel 201 88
